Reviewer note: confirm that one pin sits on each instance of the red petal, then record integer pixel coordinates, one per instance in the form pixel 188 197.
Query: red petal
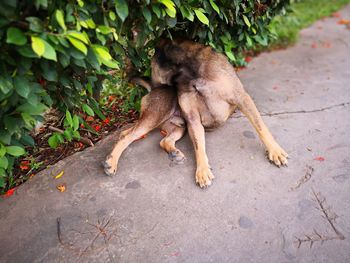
pixel 10 192
pixel 319 158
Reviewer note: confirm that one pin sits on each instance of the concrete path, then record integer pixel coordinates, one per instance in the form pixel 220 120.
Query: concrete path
pixel 253 212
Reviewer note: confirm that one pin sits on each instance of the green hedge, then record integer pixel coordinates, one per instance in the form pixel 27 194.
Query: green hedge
pixel 57 53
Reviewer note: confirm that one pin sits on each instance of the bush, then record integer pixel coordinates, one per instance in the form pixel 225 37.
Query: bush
pixel 57 53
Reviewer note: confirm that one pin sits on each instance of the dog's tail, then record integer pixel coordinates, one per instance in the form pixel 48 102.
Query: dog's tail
pixel 142 81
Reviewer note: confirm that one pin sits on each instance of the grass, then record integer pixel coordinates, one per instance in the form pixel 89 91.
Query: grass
pixel 304 13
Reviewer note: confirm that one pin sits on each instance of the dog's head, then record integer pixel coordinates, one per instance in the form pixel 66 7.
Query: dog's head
pixel 171 64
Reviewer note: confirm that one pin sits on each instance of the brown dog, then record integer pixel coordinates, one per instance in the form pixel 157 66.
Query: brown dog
pixel 159 109
pixel 209 91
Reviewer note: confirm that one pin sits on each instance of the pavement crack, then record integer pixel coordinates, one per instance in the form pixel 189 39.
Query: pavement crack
pixel 270 114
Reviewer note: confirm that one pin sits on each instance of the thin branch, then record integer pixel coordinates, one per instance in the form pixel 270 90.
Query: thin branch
pixel 328 214
pixel 84 140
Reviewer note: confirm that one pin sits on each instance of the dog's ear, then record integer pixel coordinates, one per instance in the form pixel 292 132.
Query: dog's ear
pixel 174 53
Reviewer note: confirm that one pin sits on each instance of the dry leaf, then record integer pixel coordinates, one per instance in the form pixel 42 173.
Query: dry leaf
pixel 59 175
pixel 61 187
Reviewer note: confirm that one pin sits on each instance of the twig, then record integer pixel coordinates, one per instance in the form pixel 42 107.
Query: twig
pixel 328 214
pixel 305 178
pixel 84 140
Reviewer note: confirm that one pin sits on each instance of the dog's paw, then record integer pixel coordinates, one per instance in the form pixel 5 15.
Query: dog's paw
pixel 277 155
pixel 177 157
pixel 204 176
pixel 110 166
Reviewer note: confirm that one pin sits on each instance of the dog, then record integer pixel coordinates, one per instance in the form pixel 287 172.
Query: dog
pixel 208 92
pixel 159 109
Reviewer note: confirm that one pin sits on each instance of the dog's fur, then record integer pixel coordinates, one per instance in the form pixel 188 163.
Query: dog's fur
pixel 159 109
pixel 209 91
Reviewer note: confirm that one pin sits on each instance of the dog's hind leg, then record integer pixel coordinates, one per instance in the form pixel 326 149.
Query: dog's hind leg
pixel 275 153
pixel 173 134
pixel 142 127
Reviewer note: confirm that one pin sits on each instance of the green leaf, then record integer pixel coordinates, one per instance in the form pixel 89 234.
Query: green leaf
pixel 11 124
pixel 28 119
pixel 202 17
pixel 50 52
pixel 2 178
pixel 75 122
pixel 246 21
pixel 110 63
pixel 27 140
pixel 5 137
pixel 35 24
pixel 4 162
pixel 76 135
pixel 147 14
pixel 38 46
pixel 104 29
pixel 27 51
pixel 15 36
pixel 22 86
pixel 88 110
pixel 68 134
pixel 170 7
pixel 112 15
pixel 214 6
pixel 121 6
pixel 5 84
pixel 53 141
pixel 2 150
pixel 15 150
pixel 60 19
pixel 31 109
pixel 69 118
pixel 78 44
pixel 102 52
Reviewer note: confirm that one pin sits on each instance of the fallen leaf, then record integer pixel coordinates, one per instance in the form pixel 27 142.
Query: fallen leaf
pixel 319 158
pixel 344 22
pixel 142 137
pixel 61 187
pixel 10 192
pixel 248 59
pixel 275 87
pixel 89 118
pixel 111 98
pixel 59 175
pixel 336 14
pixel 314 45
pixel 24 167
pixel 105 121
pixel 326 44
pixel 96 127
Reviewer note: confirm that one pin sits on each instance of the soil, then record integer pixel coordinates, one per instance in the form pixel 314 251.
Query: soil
pixel 42 155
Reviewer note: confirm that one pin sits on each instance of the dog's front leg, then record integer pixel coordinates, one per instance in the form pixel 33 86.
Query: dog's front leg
pixel 275 152
pixel 196 131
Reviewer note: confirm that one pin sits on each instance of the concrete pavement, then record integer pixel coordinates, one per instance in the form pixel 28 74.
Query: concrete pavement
pixel 254 212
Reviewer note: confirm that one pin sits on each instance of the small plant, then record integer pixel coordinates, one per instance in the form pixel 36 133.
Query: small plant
pixel 71 126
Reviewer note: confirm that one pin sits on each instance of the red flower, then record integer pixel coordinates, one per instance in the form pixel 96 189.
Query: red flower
pixel 89 118
pixel 10 192
pixel 24 165
pixel 96 127
pixel 105 121
pixel 319 158
pixel 248 59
